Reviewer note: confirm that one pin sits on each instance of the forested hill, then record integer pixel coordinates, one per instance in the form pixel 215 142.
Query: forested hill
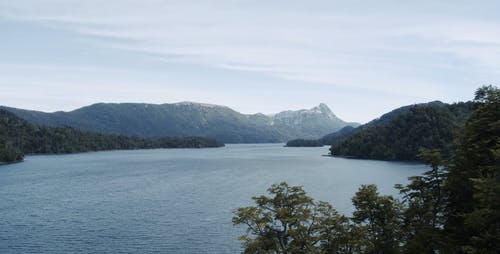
pixel 18 137
pixel 400 134
pixel 454 207
pixel 343 133
pixel 191 119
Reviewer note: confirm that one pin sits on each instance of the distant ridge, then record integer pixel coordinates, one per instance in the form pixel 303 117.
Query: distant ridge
pixel 192 119
pixel 399 134
pixel 18 137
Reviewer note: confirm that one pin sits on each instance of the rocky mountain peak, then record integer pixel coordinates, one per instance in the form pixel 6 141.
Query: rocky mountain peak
pixel 323 109
pixel 193 119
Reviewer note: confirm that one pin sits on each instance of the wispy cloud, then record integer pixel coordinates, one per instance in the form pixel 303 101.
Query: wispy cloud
pixel 390 48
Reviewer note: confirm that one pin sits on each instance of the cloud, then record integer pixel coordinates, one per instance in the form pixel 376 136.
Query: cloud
pixel 412 49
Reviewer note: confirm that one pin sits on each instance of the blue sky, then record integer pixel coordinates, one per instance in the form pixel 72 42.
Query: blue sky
pixel 362 58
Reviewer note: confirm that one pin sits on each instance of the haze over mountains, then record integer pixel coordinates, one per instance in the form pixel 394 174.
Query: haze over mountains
pixel 192 119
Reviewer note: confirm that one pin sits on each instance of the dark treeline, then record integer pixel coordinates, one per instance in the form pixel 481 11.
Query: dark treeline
pixel 18 137
pixel 399 134
pixel 304 143
pixel 425 126
pixel 452 208
pixel 329 139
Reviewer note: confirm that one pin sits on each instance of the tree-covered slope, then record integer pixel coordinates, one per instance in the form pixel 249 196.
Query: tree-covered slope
pixel 304 143
pixel 400 134
pixel 191 119
pixel 149 120
pixel 347 131
pixel 18 137
pixel 452 208
pixel 325 140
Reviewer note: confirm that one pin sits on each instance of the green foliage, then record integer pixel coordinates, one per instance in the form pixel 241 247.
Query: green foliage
pixel 190 119
pixel 325 140
pixel 425 201
pixel 379 218
pixel 304 143
pixel 9 153
pixel 336 233
pixel 289 221
pixel 335 137
pixel 400 135
pixel 452 208
pixel 473 220
pixel 18 137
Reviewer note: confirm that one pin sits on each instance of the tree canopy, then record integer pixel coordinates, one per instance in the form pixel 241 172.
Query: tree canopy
pixel 18 137
pixel 474 178
pixel 405 132
pixel 452 208
pixel 289 221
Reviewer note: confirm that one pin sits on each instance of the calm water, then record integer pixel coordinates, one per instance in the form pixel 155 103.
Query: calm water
pixel 164 201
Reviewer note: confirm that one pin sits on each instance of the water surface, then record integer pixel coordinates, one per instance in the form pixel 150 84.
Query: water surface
pixel 165 200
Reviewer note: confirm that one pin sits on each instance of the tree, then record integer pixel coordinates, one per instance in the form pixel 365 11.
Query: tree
pixel 380 218
pixel 9 153
pixel 473 211
pixel 289 221
pixel 452 208
pixel 18 137
pixel 336 232
pixel 400 134
pixel 424 206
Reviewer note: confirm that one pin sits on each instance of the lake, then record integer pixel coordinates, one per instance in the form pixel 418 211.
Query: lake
pixel 165 200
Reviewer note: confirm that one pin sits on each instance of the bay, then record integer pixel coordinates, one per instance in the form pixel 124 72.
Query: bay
pixel 166 200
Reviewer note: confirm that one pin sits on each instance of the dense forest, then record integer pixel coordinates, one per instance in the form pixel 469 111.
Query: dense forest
pixel 18 137
pixel 452 208
pixel 400 135
pixel 191 119
pixel 382 137
pixel 328 139
pixel 304 143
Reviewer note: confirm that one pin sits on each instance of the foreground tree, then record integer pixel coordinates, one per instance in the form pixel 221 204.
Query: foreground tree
pixel 452 208
pixel 425 204
pixel 379 218
pixel 473 211
pixel 289 221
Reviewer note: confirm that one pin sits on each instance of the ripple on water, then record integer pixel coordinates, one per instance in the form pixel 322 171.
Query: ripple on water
pixel 165 200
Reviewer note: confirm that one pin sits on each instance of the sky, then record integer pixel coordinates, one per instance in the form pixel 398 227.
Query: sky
pixel 361 58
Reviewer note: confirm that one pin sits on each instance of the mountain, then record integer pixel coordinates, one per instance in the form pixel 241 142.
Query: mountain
pixel 401 133
pixel 18 137
pixel 308 124
pixel 397 135
pixel 335 137
pixel 191 119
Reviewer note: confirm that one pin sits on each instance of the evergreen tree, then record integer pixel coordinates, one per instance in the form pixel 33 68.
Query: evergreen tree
pixel 9 153
pixel 473 219
pixel 424 207
pixel 429 126
pixel 18 137
pixel 452 208
pixel 380 218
